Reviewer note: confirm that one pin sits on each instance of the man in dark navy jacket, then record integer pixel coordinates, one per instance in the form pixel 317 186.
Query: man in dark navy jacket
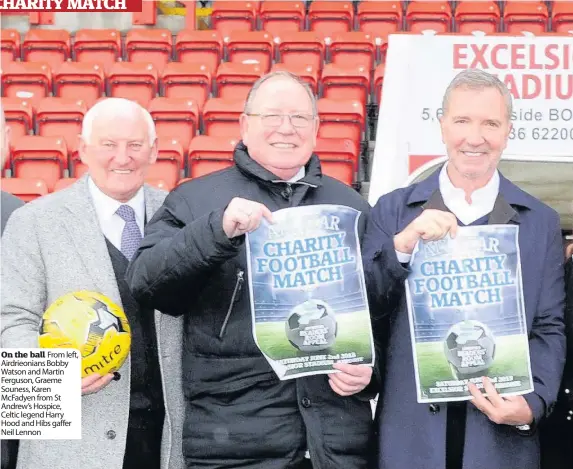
pixel 486 433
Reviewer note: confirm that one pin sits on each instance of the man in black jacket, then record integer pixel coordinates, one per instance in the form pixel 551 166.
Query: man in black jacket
pixel 192 261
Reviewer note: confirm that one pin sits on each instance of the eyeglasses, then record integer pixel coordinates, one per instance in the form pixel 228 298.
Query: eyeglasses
pixel 300 121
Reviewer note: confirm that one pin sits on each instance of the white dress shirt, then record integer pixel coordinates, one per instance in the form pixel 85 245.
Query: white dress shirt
pixel 298 176
pixel 483 200
pixel 110 222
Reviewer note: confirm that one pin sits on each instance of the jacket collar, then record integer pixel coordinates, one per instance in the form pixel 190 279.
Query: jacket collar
pixel 428 193
pixel 248 166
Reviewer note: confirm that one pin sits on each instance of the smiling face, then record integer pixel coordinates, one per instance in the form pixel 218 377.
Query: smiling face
pixel 280 143
pixel 475 129
pixel 118 154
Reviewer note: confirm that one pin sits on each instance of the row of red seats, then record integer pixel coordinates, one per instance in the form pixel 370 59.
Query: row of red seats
pixel 142 82
pixel 207 48
pixel 174 118
pixel 157 46
pixel 29 189
pixel 46 158
pixel 380 18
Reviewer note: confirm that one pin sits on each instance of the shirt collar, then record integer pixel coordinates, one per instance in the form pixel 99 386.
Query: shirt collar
pixel 484 196
pixel 298 176
pixel 106 206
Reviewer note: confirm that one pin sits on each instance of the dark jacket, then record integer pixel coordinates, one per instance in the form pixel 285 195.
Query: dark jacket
pixel 8 204
pixel 238 413
pixel 412 435
pixel 557 432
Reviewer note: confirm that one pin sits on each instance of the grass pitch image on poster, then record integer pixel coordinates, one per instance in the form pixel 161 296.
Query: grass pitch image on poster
pixel 308 297
pixel 467 316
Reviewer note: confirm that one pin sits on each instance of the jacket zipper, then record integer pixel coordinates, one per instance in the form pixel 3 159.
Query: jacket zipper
pixel 238 285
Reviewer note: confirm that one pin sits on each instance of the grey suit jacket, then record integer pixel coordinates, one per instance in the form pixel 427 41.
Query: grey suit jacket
pixel 53 246
pixel 9 203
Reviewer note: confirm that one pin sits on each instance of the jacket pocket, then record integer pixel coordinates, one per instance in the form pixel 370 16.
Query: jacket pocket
pixel 234 298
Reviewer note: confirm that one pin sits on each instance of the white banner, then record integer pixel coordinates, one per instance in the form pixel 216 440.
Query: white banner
pixel 538 71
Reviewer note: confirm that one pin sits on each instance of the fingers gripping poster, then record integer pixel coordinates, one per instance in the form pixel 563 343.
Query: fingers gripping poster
pixel 467 316
pixel 308 297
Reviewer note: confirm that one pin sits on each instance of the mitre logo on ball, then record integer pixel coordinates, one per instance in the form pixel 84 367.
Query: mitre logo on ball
pixel 91 323
pixel 470 349
pixel 311 326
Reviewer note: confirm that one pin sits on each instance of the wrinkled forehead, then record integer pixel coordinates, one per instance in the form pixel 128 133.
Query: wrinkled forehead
pixel 128 127
pixel 282 95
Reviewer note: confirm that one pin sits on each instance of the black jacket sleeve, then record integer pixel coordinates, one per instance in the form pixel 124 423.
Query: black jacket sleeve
pixel 176 254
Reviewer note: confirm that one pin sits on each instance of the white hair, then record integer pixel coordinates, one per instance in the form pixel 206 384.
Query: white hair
pixel 116 107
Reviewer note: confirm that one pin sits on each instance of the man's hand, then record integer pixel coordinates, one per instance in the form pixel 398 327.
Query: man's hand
pixel 511 410
pixel 351 379
pixel 94 383
pixel 243 216
pixel 429 226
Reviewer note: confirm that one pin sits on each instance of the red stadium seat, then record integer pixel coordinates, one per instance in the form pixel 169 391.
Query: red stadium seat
pixel 170 161
pixel 78 80
pixel 278 18
pixel 251 47
pixel 19 115
pixel 221 117
pixel 353 49
pixel 379 18
pixel 9 45
pixel 77 167
pixel 422 16
pixel 305 72
pixel 64 183
pixel 338 149
pixel 188 81
pixel 133 80
pixel 477 16
pixel 350 83
pixel 328 18
pixel 531 16
pixel 175 119
pixel 235 80
pixel 341 119
pixel 378 82
pixel 338 158
pixel 149 46
pixel 562 15
pixel 50 46
pixel 60 117
pixel 26 80
pixel 26 189
pixel 302 49
pixel 209 154
pixel 229 16
pixel 39 157
pixel 98 46
pixel 200 47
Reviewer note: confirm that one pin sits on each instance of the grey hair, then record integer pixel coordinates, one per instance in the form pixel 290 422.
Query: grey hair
pixel 116 107
pixel 280 74
pixel 476 79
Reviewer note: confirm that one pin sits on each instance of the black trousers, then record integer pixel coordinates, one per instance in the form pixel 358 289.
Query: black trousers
pixel 455 434
pixel 143 445
pixel 306 464
pixel 9 453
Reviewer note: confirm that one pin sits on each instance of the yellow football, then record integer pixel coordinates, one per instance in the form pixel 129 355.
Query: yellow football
pixel 91 323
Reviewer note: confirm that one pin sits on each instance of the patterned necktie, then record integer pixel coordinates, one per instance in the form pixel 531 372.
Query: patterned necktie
pixel 131 236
